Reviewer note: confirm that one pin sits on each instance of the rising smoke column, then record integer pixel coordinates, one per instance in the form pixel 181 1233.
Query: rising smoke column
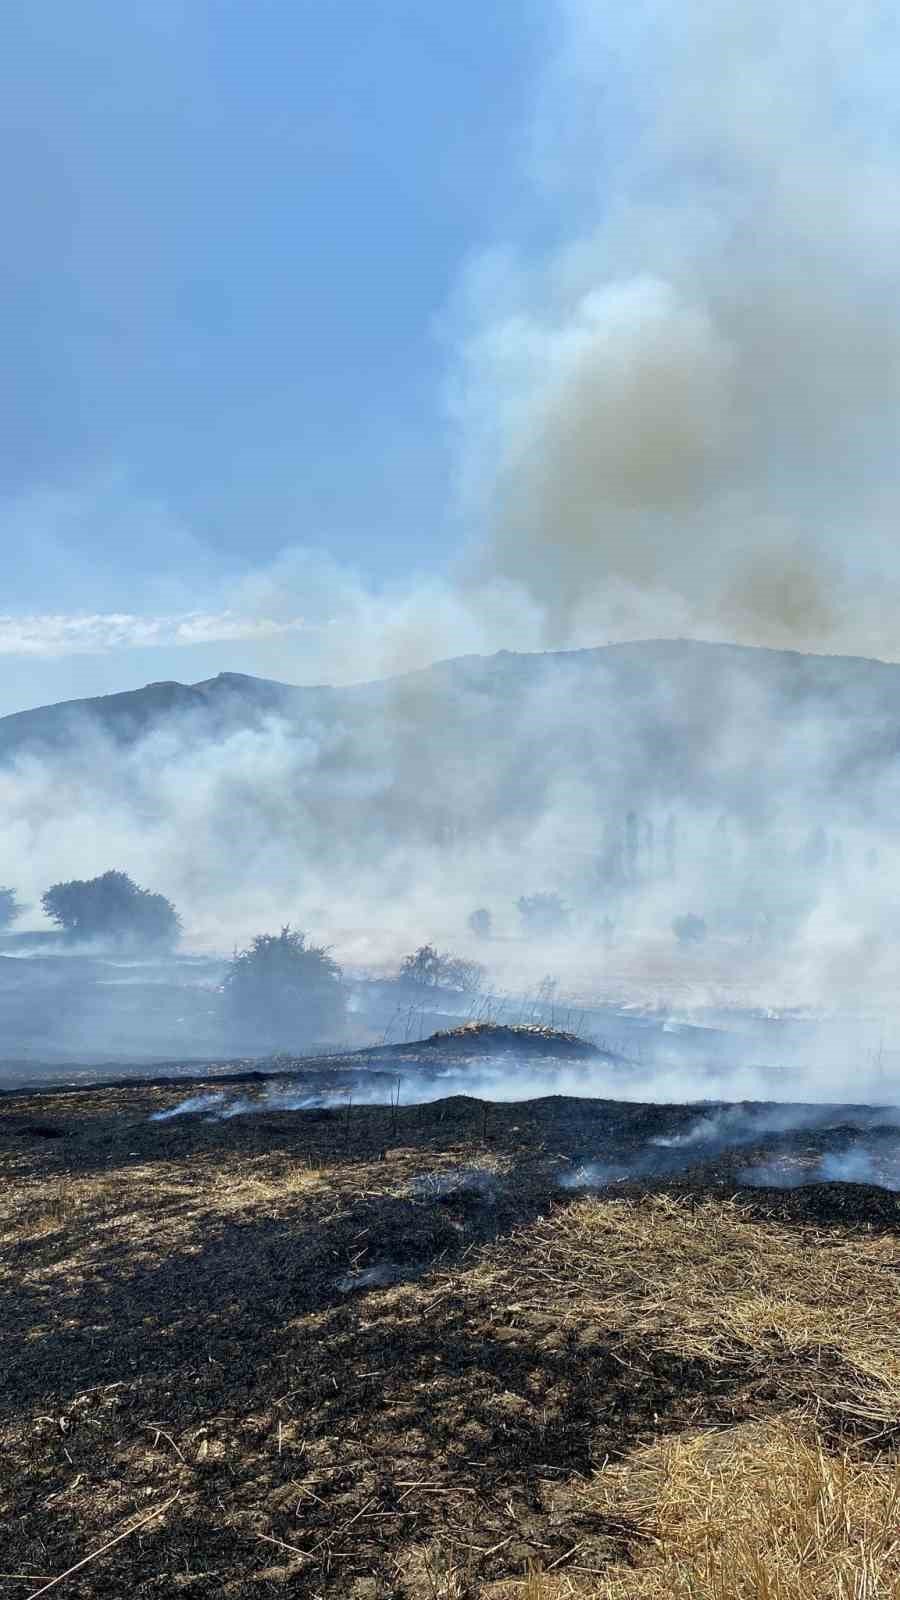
pixel 681 418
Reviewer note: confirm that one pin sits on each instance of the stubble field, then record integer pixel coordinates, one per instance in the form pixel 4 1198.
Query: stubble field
pixel 382 1352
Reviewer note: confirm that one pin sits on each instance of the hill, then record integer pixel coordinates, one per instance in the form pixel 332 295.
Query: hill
pixel 230 700
pixel 480 740
pixel 637 781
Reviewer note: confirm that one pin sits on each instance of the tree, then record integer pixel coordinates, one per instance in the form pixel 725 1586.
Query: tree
pixel 632 844
pixel 689 929
pixel 9 907
pixel 814 855
pixel 543 913
pixel 285 991
pixel 430 968
pixel 480 923
pixel 671 846
pixel 112 907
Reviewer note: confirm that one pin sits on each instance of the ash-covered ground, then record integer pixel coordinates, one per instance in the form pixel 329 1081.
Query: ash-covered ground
pixel 523 1090
pixel 340 1328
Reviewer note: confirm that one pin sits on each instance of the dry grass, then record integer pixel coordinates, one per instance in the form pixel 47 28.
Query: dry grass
pixel 758 1512
pixel 763 1511
pixel 586 1398
pixel 704 1279
pixel 151 1206
pixel 255 1184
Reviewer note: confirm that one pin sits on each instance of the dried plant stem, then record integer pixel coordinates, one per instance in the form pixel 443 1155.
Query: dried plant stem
pixel 150 1516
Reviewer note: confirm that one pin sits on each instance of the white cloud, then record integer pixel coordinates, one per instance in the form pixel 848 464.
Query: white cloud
pixel 57 634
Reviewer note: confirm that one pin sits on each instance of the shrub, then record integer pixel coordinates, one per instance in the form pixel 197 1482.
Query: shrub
pixel 480 923
pixel 9 907
pixel 689 929
pixel 430 968
pixel 284 991
pixel 112 907
pixel 543 913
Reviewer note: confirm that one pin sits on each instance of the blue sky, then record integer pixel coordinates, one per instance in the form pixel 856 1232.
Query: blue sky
pixel 231 233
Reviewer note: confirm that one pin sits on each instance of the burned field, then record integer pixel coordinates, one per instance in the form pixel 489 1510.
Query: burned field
pixel 448 1349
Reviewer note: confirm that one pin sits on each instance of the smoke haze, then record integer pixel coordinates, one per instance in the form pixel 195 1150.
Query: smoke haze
pixel 673 407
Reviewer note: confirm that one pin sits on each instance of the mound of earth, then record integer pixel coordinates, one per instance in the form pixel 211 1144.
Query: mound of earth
pixel 496 1038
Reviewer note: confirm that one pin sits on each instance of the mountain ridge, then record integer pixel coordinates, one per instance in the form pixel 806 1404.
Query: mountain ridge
pixel 172 694
pixel 475 739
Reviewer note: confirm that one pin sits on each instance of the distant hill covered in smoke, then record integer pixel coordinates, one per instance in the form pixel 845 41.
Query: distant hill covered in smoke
pixel 486 737
pixel 664 774
pixel 227 701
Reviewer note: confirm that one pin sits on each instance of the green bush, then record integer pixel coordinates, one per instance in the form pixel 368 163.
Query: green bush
pixel 112 908
pixel 431 968
pixel 284 991
pixel 9 907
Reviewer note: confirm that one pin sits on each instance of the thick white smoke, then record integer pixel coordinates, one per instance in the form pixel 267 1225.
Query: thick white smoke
pixel 683 417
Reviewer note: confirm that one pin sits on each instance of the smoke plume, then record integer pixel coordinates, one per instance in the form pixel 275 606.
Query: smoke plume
pixel 682 418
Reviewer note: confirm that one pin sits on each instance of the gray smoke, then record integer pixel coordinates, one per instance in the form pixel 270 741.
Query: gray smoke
pixel 852 1166
pixel 855 1166
pixel 194 1105
pixel 600 1174
pixel 682 420
pixel 462 1180
pixel 733 1126
pixel 717 1136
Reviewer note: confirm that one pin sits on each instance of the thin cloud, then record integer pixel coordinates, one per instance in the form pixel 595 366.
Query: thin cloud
pixel 52 635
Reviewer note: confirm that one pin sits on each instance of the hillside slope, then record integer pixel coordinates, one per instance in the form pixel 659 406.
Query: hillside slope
pixel 478 740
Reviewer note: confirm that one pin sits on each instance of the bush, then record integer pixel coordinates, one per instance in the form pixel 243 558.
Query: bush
pixel 689 929
pixel 432 969
pixel 480 923
pixel 285 991
pixel 543 913
pixel 112 907
pixel 9 907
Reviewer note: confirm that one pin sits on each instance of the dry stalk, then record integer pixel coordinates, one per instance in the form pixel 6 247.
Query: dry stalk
pixel 101 1550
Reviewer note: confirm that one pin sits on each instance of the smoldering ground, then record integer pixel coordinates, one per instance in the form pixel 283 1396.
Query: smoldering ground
pixel 594 1143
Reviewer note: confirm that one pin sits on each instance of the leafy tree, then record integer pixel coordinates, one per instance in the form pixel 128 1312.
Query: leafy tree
pixel 422 966
pixel 282 989
pixel 112 907
pixel 9 907
pixel 689 929
pixel 671 846
pixel 649 843
pixel 430 968
pixel 480 923
pixel 815 852
pixel 543 913
pixel 632 843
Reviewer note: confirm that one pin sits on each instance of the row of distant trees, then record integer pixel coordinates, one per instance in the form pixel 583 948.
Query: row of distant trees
pixel 281 986
pixel 541 915
pixel 10 907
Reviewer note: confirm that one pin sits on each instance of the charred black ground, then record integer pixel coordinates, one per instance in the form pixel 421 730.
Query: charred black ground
pixel 355 1341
